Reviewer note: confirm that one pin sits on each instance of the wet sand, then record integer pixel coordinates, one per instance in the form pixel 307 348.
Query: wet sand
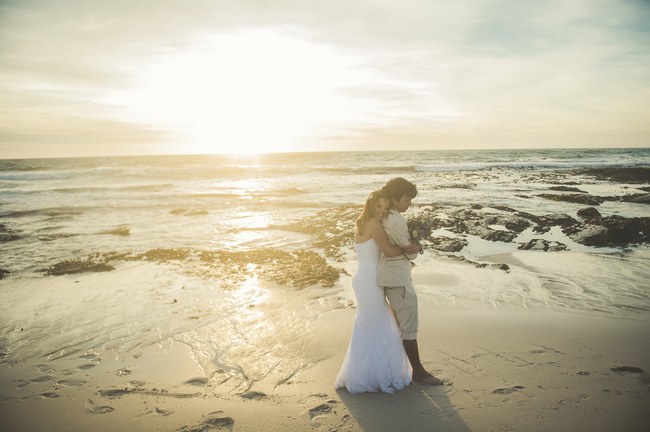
pixel 505 368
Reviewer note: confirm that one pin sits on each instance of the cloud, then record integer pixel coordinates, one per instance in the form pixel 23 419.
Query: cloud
pixel 447 69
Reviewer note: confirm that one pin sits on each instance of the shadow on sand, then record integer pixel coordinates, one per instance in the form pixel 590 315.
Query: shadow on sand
pixel 419 407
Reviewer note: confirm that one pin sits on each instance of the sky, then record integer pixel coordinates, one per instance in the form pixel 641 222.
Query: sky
pixel 94 78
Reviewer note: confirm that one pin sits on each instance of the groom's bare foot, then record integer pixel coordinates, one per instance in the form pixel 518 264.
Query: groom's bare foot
pixel 425 377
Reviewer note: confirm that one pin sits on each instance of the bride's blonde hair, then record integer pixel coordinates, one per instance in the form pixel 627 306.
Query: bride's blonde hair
pixel 368 211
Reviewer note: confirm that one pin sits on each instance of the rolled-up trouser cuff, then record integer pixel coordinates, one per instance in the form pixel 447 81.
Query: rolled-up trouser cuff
pixel 409 336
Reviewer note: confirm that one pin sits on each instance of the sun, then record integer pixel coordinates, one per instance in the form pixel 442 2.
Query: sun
pixel 252 91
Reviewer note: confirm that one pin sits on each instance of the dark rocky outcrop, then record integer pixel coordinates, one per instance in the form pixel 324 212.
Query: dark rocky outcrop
pixel 618 174
pixel 588 213
pixel 589 200
pixel 447 244
pixel 543 245
pixel 566 189
pixel 640 199
pixel 612 231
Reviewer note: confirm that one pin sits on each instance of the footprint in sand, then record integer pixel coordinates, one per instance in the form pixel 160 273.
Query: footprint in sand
pixel 90 357
pixel 507 390
pixel 46 369
pixel 627 369
pixel 94 358
pixel 41 379
pixel 71 383
pixel 198 382
pixel 46 395
pixel 643 376
pixel 113 393
pixel 97 409
pixel 326 414
pixel 324 408
pixel 254 395
pixel 162 412
pixel 86 366
pixel 213 423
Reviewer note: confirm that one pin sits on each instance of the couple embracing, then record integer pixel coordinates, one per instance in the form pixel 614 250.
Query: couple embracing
pixel 383 352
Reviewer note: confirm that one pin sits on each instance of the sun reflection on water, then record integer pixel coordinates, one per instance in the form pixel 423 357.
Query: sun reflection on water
pixel 247 228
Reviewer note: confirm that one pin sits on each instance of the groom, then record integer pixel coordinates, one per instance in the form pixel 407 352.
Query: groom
pixel 394 274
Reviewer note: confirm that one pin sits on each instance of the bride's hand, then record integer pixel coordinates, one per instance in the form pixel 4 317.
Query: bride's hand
pixel 413 248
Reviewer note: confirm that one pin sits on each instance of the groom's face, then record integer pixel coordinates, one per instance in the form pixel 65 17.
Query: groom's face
pixel 403 203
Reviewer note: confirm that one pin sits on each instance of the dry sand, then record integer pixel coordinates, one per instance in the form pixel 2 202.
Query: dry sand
pixel 504 368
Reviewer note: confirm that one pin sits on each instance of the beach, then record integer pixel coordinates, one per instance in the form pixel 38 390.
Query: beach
pixel 207 293
pixel 504 369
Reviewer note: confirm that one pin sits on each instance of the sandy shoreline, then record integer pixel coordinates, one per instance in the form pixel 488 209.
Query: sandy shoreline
pixel 507 369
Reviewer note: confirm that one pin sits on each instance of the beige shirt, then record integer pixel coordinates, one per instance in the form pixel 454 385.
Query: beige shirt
pixel 395 271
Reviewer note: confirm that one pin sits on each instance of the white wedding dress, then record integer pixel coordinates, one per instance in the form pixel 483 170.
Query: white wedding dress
pixel 376 360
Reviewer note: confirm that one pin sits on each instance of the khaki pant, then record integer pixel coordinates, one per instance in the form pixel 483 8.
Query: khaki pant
pixel 404 302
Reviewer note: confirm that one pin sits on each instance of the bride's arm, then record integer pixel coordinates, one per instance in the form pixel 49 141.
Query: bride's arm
pixel 377 231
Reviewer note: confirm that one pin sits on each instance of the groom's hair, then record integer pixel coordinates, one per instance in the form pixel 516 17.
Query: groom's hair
pixel 397 187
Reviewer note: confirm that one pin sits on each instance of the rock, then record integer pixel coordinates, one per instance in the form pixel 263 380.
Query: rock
pixel 641 199
pixel 588 213
pixel 618 174
pixel 545 223
pixel 517 224
pixel 4 273
pixel 446 244
pixel 566 189
pixel 556 247
pixel 543 245
pixel 578 199
pixel 254 395
pixel 560 219
pixel 612 231
pixel 591 235
pixel 498 235
pixel 622 230
pixel 535 244
pixel 627 369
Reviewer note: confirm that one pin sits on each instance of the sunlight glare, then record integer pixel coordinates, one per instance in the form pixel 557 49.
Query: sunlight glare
pixel 252 91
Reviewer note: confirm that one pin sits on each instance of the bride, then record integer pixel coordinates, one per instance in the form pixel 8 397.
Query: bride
pixel 375 360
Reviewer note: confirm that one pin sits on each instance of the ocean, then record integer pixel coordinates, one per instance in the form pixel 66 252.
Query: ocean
pixel 207 241
pixel 56 209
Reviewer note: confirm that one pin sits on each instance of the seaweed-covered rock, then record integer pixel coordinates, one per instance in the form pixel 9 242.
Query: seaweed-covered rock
pixel 332 228
pixel 611 231
pixel 499 235
pixel 590 235
pixel 543 245
pixel 447 244
pixel 641 199
pixel 622 230
pixel 566 189
pixel 546 222
pixel 78 265
pixel 618 174
pixel 575 198
pixel 588 213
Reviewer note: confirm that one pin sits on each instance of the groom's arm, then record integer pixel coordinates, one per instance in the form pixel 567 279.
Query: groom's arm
pixel 397 231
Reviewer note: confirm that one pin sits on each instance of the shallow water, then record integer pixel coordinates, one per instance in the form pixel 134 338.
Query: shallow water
pixel 239 255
